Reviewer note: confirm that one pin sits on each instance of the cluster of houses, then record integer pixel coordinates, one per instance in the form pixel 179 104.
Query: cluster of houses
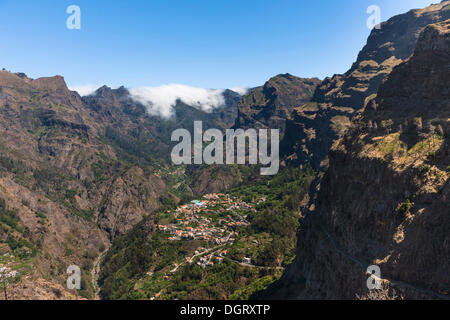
pixel 197 220
pixel 193 223
pixel 210 259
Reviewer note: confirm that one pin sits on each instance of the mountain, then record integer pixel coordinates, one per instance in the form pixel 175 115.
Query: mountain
pixel 83 178
pixel 149 136
pixel 386 48
pixel 270 105
pixel 314 127
pixel 108 102
pixel 311 131
pixel 66 185
pixel 384 199
pixel 76 172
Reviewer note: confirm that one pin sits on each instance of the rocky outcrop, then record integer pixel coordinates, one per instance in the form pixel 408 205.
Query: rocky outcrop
pixel 270 105
pixel 311 132
pixel 130 197
pixel 39 289
pixel 386 48
pixel 384 199
pixel 215 178
pixel 314 128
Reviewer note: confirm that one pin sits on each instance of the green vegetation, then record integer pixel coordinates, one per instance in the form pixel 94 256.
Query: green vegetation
pixel 260 284
pixel 392 145
pixel 193 282
pixel 277 217
pixel 41 215
pixel 405 207
pixel 21 248
pixel 138 147
pixel 15 251
pixel 12 234
pixel 132 255
pixel 427 146
pixel 139 264
pixel 9 218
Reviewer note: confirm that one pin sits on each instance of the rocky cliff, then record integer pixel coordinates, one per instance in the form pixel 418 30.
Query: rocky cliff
pixel 386 48
pixel 384 199
pixel 314 127
pixel 270 105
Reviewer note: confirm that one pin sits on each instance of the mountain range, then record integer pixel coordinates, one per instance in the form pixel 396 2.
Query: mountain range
pixel 77 174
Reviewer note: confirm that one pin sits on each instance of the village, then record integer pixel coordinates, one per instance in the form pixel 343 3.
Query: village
pixel 214 219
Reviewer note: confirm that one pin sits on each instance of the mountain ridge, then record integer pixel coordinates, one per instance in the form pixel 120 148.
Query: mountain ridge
pixel 385 192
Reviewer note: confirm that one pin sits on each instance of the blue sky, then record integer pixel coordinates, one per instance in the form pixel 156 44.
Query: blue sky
pixel 211 44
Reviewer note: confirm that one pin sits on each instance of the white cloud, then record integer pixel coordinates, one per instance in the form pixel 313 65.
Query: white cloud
pixel 161 100
pixel 240 90
pixel 85 90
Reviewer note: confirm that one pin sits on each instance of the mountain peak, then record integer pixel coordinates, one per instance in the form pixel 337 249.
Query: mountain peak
pixel 385 49
pixel 55 83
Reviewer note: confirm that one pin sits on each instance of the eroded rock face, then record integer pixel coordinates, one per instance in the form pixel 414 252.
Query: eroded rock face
pixel 128 199
pixel 215 178
pixel 39 289
pixel 384 199
pixel 311 132
pixel 270 105
pixel 386 48
pixel 313 128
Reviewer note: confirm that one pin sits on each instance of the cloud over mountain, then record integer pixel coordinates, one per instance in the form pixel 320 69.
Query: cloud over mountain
pixel 85 90
pixel 161 100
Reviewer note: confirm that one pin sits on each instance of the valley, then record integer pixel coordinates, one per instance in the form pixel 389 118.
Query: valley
pixel 223 246
pixel 363 181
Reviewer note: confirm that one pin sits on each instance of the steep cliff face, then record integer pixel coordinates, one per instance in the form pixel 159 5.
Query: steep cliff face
pixel 270 105
pixel 311 132
pixel 386 48
pixel 384 199
pixel 314 128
